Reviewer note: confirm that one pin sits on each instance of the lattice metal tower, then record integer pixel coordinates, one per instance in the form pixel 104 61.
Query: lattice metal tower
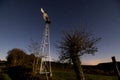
pixel 43 64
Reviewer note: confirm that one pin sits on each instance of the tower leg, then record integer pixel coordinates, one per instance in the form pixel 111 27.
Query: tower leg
pixel 50 76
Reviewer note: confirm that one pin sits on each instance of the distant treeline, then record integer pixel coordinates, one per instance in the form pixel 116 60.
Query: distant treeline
pixel 101 68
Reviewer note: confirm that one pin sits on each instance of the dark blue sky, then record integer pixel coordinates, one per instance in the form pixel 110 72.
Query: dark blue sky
pixel 21 20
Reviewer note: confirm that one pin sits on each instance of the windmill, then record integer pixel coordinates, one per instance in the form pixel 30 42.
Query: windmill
pixel 43 62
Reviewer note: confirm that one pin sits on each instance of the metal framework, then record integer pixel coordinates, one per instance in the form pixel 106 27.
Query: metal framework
pixel 43 64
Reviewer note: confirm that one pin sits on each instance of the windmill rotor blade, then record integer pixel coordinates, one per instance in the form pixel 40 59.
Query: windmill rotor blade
pixel 42 10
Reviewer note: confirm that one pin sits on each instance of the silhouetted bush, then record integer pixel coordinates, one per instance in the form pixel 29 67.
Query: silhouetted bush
pixel 19 72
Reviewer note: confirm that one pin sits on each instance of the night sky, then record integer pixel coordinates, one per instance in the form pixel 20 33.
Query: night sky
pixel 21 20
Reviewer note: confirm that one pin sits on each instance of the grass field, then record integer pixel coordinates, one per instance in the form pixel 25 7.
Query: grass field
pixel 100 77
pixel 59 74
pixel 70 75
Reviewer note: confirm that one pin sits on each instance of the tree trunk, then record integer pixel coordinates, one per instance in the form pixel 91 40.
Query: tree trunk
pixel 77 67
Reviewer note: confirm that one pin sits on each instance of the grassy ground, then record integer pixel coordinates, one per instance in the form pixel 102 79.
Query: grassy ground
pixel 100 77
pixel 63 75
pixel 66 74
pixel 70 75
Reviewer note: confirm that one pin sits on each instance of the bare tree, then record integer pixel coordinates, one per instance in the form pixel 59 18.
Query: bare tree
pixel 75 44
pixel 34 48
